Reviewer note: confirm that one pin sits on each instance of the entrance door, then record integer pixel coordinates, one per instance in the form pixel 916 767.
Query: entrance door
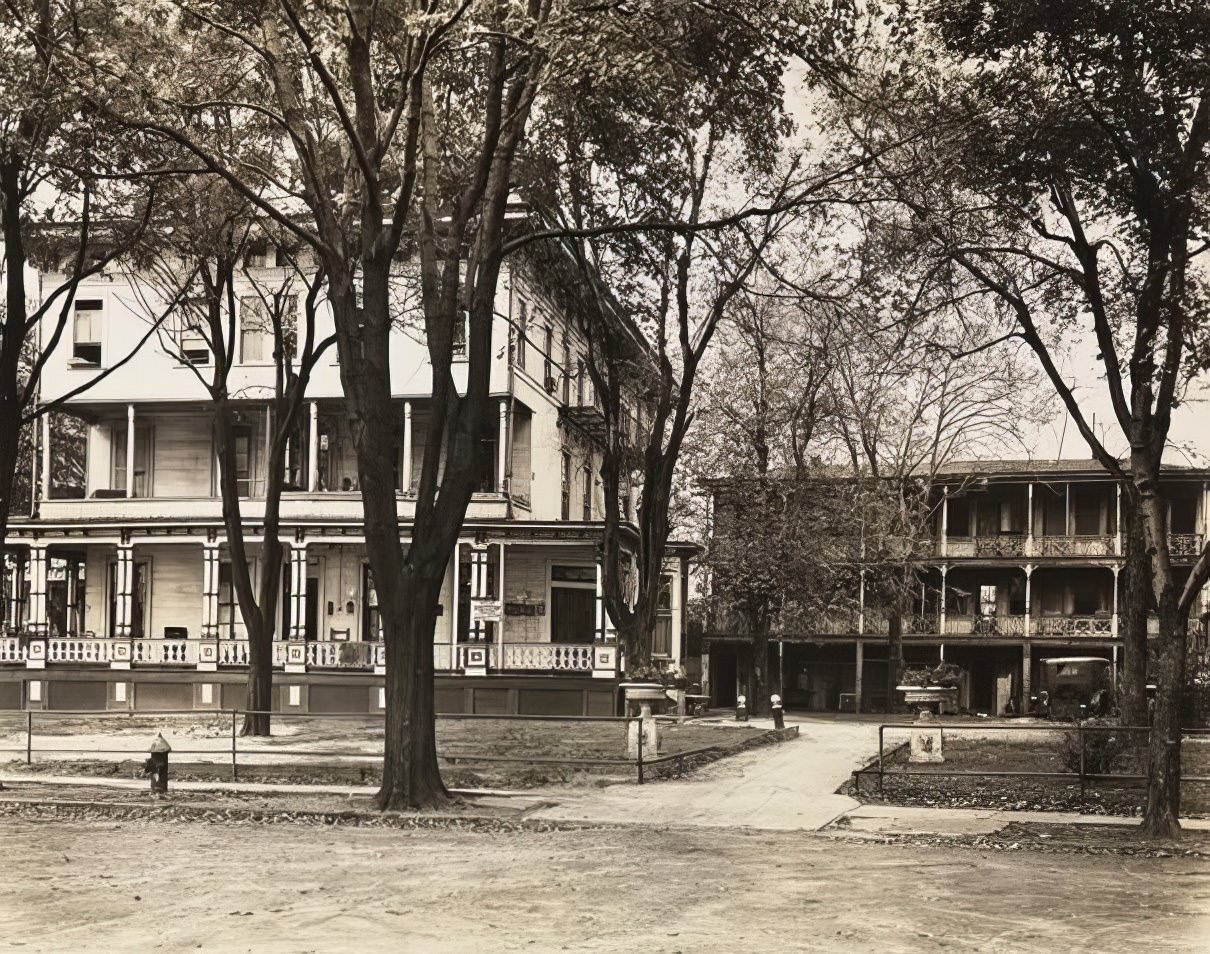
pixel 312 621
pixel 573 615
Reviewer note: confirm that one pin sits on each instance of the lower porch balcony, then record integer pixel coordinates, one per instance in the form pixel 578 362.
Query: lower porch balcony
pixel 477 658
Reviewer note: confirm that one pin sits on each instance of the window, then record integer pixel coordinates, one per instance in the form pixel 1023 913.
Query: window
pixel 587 501
pixel 86 331
pixel 1086 513
pixel 958 521
pixel 1183 514
pixel 565 484
pixel 227 602
pixel 458 347
pixel 141 486
pixel 548 344
pixel 478 579
pixel 661 641
pixel 246 450
pixel 191 339
pixel 581 375
pixel 566 373
pixel 522 332
pixel 255 331
pixel 987 601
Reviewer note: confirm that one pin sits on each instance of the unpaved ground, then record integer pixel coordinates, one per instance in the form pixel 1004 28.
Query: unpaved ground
pixel 186 886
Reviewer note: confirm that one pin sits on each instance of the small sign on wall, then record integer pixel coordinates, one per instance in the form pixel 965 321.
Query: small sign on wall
pixel 525 609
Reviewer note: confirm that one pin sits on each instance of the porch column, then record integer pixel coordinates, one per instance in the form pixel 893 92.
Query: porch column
pixel 405 479
pixel 1029 519
pixel 16 578
pixel 298 592
pixel 502 448
pixel 37 589
pixel 129 451
pixel 210 575
pixel 600 601
pixel 861 604
pixel 1026 676
pixel 1067 510
pixel 860 666
pixel 124 586
pixel 945 520
pixel 454 609
pixel 313 450
pixel 1029 572
pixel 500 598
pixel 941 617
pixel 45 457
pixel 1117 537
pixel 1116 571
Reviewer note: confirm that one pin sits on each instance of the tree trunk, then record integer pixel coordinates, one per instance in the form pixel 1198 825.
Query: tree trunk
pixel 1162 814
pixel 257 720
pixel 1137 598
pixel 759 705
pixel 894 665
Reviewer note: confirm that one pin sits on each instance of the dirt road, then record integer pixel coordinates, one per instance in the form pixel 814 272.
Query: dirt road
pixel 185 886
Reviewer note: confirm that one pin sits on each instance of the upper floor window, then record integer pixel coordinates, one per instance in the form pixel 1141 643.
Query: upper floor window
pixel 566 370
pixel 587 502
pixel 548 365
pixel 191 339
pixel 565 484
pixel 581 374
pixel 255 331
pixel 140 481
pixel 86 331
pixel 522 332
pixel 661 642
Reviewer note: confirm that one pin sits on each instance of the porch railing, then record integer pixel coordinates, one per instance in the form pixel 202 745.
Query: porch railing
pixel 359 656
pixel 984 625
pixel 1073 626
pixel 1185 544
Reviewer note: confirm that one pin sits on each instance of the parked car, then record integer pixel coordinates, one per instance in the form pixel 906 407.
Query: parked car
pixel 1069 682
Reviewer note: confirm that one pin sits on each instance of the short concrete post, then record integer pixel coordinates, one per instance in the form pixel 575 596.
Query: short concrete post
pixel 646 725
pixel 779 716
pixel 926 739
pixel 741 709
pixel 157 765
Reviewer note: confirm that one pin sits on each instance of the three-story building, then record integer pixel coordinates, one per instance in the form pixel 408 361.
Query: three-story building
pixel 120 594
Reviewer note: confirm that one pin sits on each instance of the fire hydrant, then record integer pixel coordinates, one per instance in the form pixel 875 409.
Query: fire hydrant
pixel 157 765
pixel 741 709
pixel 779 716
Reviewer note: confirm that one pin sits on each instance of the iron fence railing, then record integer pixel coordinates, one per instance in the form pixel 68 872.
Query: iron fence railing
pixel 237 746
pixel 880 770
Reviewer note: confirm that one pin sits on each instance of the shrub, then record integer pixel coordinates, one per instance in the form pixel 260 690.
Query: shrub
pixel 1103 747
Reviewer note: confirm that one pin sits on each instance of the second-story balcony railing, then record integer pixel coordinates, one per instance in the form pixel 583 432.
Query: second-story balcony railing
pixel 984 626
pixel 1185 545
pixel 1020 545
pixel 1100 624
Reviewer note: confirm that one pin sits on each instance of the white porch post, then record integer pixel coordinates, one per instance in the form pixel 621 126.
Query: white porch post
pixel 861 604
pixel 129 451
pixel 1117 539
pixel 941 618
pixel 1067 510
pixel 45 457
pixel 502 448
pixel 1116 571
pixel 37 589
pixel 298 592
pixel 405 479
pixel 313 450
pixel 500 600
pixel 1029 572
pixel 210 575
pixel 945 520
pixel 124 597
pixel 15 581
pixel 1029 519
pixel 454 601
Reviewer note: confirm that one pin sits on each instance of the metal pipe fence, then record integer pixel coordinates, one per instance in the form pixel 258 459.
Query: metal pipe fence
pixel 1081 772
pixel 34 746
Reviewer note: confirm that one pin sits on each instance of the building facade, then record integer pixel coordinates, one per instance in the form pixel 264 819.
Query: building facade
pixel 119 593
pixel 1025 563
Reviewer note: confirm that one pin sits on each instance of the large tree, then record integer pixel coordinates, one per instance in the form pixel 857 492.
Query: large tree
pixel 197 255
pixel 1066 178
